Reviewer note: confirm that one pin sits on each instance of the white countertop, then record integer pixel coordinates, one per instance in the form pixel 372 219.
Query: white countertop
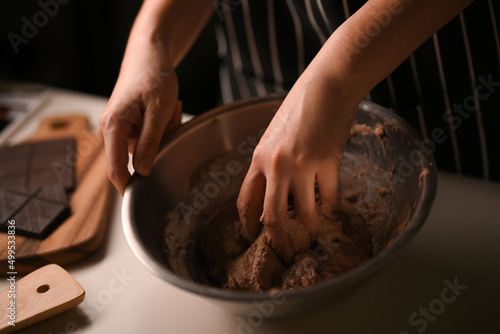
pixel 458 245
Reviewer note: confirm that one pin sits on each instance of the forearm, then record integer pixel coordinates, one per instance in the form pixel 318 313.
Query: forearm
pixel 376 39
pixel 172 26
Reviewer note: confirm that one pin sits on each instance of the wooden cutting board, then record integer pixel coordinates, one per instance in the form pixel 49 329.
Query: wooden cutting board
pixel 82 233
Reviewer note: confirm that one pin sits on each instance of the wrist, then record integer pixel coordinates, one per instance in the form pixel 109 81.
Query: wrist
pixel 343 93
pixel 171 27
pixel 151 33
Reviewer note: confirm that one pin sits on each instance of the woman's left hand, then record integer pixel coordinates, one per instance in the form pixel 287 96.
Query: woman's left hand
pixel 302 146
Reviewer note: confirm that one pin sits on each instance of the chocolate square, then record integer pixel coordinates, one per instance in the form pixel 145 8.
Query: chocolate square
pixel 34 164
pixel 36 212
pixel 34 178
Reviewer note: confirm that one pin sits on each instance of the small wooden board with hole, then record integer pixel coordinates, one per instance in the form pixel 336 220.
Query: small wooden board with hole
pixel 83 231
pixel 42 294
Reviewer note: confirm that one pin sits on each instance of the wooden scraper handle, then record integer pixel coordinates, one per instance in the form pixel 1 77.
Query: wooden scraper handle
pixel 42 294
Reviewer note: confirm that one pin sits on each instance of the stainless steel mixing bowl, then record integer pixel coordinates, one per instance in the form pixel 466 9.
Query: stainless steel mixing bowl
pixel 223 130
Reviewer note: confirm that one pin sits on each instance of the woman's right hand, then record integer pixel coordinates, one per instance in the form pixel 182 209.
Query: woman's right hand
pixel 142 107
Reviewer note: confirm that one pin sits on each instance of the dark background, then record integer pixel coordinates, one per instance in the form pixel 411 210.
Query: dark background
pixel 81 47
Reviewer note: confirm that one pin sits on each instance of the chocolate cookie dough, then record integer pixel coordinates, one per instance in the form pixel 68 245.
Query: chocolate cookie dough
pixel 228 255
pixel 342 244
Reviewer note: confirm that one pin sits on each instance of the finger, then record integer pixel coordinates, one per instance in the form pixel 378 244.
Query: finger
pixel 117 159
pixel 305 204
pixel 327 182
pixel 175 121
pixel 116 125
pixel 275 206
pixel 155 121
pixel 249 203
pixel 132 138
pixel 99 132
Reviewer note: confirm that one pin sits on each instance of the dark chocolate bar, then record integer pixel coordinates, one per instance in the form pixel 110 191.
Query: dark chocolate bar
pixel 34 212
pixel 36 164
pixel 34 178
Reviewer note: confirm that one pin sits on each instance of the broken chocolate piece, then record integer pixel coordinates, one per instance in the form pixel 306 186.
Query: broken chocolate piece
pixel 36 211
pixel 28 166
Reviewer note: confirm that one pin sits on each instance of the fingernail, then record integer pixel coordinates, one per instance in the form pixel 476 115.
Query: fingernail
pixel 145 166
